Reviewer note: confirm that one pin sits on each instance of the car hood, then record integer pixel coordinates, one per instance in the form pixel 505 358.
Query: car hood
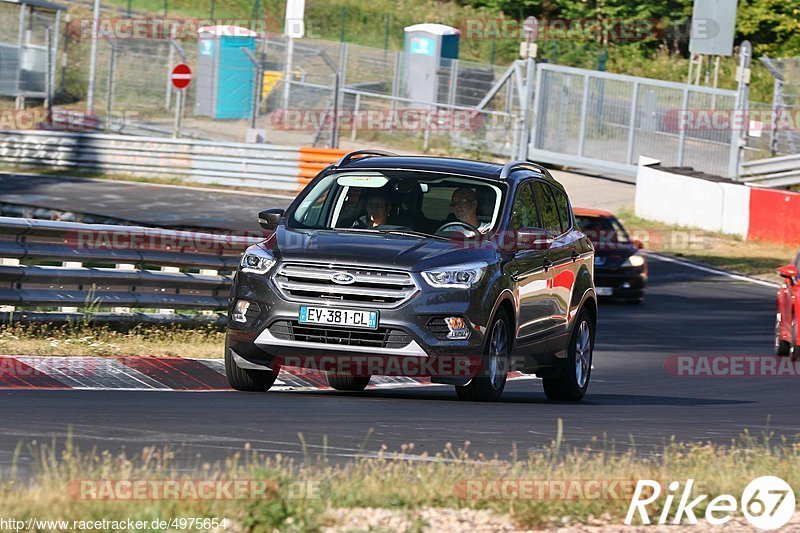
pixel 373 249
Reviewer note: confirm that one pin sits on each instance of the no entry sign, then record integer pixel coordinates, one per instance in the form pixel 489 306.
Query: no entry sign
pixel 181 76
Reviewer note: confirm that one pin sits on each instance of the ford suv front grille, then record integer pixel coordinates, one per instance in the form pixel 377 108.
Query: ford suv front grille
pixel 364 287
pixel 377 338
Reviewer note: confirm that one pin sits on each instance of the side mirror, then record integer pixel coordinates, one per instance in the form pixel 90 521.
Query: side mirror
pixel 639 244
pixel 269 219
pixel 789 272
pixel 533 239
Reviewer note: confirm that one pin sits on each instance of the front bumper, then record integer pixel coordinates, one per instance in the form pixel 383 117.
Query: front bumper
pixel 625 283
pixel 253 343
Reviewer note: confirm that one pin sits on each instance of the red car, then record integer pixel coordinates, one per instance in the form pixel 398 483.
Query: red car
pixel 787 334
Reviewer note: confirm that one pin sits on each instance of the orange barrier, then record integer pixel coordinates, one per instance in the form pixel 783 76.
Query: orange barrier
pixel 313 160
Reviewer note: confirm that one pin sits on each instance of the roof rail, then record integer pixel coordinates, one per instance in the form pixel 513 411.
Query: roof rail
pixel 513 165
pixel 366 153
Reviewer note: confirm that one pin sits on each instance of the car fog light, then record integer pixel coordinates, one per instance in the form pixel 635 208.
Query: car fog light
pixel 457 326
pixel 240 311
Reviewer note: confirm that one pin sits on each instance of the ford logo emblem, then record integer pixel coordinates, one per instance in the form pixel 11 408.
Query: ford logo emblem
pixel 343 278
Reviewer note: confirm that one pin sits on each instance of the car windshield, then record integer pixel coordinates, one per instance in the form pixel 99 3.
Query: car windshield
pixel 400 201
pixel 603 229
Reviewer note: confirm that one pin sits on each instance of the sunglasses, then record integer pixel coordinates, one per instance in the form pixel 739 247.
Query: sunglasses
pixel 460 203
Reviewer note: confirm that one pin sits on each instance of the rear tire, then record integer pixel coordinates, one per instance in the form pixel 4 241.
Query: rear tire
pixel 347 382
pixel 245 379
pixel 495 365
pixel 573 381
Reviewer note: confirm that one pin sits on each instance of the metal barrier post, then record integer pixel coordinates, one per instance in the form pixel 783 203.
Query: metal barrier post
pixel 739 135
pixel 632 122
pixel 524 138
pixel 70 264
pixel 8 261
pixel 123 266
pixel 110 85
pixel 354 122
pixel 584 106
pixel 168 269
pixel 682 125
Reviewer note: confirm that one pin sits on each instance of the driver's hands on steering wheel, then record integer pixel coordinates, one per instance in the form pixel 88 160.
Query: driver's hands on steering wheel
pixel 451 226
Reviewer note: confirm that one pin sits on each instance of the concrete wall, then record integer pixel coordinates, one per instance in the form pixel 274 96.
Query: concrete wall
pixel 693 202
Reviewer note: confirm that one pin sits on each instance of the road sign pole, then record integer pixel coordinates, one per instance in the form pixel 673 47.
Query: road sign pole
pixel 178 114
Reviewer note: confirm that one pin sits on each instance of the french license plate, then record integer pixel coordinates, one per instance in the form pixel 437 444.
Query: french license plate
pixel 338 317
pixel 604 291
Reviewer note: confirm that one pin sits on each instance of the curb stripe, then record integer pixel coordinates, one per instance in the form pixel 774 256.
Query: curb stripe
pixel 162 374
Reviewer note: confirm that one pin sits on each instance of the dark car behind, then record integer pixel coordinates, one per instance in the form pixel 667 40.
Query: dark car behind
pixel 619 267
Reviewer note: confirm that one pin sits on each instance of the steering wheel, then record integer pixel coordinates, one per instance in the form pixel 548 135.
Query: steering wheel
pixel 448 225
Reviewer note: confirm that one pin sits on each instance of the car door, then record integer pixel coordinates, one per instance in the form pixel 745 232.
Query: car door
pixel 567 256
pixel 527 270
pixel 556 256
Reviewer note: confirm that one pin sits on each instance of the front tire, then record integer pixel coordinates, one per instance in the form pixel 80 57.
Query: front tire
pixel 782 348
pixel 573 381
pixel 495 365
pixel 347 382
pixel 245 379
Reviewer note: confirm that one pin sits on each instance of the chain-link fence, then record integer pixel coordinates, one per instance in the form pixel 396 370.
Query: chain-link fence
pixel 611 118
pixel 784 136
pixel 27 70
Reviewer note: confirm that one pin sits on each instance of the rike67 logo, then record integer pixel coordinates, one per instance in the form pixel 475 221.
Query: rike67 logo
pixel 767 503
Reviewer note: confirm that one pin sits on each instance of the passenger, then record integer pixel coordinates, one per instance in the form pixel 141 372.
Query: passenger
pixel 465 207
pixel 378 206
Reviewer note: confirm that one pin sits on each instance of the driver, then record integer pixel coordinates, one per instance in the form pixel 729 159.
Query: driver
pixel 378 206
pixel 465 207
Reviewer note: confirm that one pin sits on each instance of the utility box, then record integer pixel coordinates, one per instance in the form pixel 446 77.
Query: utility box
pixel 428 48
pixel 225 76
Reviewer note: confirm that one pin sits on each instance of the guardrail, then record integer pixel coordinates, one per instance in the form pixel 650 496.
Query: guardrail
pixel 69 266
pixel 237 164
pixel 780 171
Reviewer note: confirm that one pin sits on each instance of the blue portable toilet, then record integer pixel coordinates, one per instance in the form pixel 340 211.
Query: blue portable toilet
pixel 225 76
pixel 428 48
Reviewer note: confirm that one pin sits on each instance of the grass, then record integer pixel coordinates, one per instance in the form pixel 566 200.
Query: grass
pixel 98 340
pixel 314 493
pixel 728 252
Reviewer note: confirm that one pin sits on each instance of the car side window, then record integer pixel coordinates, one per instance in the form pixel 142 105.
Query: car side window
pixel 525 214
pixel 797 261
pixel 564 211
pixel 547 206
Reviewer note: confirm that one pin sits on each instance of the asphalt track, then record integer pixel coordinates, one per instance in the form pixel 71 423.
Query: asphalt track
pixel 141 203
pixel 633 400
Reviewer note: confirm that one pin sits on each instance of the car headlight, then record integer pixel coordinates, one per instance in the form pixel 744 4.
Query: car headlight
pixel 634 260
pixel 459 276
pixel 256 260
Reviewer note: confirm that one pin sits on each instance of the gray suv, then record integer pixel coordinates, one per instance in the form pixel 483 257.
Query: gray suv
pixel 452 270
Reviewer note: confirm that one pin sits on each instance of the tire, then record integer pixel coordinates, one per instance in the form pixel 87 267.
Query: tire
pixel 782 348
pixel 573 381
pixel 244 379
pixel 489 387
pixel 347 382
